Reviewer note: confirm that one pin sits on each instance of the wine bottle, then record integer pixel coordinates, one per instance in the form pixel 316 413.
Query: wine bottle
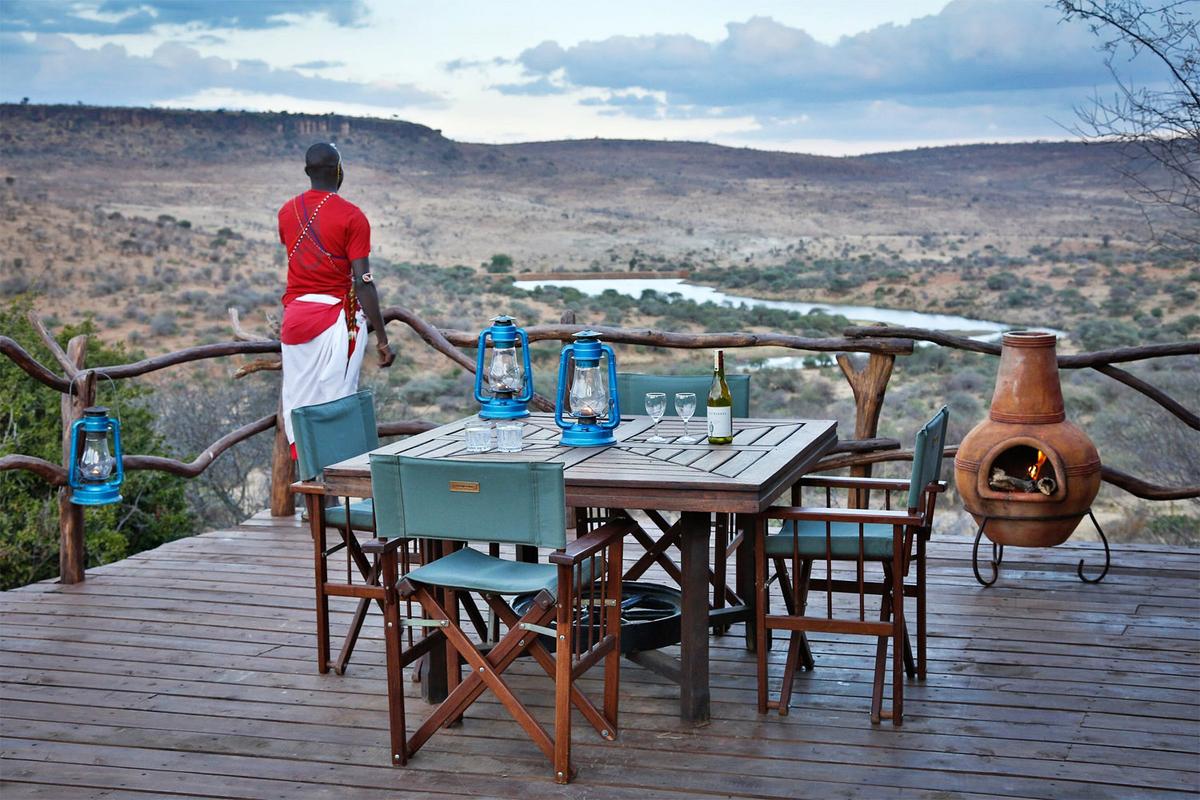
pixel 720 404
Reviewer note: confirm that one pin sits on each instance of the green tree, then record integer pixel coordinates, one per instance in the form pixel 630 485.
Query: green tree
pixel 154 509
pixel 500 263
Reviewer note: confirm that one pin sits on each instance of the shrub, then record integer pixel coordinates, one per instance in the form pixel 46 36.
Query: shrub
pixel 999 281
pixel 1102 334
pixel 500 263
pixel 163 324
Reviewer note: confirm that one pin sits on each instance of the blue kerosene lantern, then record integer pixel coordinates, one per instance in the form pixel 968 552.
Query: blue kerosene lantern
pixel 96 472
pixel 592 398
pixel 509 377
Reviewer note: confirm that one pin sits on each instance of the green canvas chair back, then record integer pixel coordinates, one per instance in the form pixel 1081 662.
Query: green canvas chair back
pixel 632 387
pixel 927 455
pixel 470 501
pixel 327 433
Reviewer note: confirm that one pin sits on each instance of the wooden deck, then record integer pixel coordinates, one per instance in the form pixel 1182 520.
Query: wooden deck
pixel 188 671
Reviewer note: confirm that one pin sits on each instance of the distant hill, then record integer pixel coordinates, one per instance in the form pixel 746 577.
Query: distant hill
pixel 82 134
pixel 101 203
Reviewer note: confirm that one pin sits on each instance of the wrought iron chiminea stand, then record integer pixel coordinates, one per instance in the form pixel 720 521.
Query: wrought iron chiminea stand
pixel 998 556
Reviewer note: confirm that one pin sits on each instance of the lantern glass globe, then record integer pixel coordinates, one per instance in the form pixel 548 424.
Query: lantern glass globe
pixel 506 373
pixel 589 393
pixel 96 463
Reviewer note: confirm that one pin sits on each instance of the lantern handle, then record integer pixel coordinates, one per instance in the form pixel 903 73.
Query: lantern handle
pixel 562 394
pixel 480 374
pixel 116 397
pixel 82 374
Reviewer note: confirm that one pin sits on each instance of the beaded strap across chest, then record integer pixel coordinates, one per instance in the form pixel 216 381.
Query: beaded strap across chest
pixel 307 226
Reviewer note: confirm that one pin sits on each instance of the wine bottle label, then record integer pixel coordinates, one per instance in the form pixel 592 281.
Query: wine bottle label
pixel 720 422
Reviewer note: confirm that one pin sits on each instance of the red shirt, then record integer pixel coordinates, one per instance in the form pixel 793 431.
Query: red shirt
pixel 323 233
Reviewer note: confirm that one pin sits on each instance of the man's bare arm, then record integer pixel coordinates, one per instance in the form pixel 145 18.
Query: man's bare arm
pixel 368 298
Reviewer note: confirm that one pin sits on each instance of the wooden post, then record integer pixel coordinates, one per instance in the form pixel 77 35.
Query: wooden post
pixel 72 552
pixel 869 385
pixel 283 500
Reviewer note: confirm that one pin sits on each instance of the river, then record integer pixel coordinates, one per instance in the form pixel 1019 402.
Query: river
pixel 633 287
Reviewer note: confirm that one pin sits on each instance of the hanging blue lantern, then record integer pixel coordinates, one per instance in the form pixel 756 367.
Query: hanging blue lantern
pixel 96 472
pixel 591 396
pixel 509 376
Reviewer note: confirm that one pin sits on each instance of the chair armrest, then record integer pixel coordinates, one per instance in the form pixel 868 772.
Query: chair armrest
pixel 381 546
pixel 864 515
pixel 845 482
pixel 592 542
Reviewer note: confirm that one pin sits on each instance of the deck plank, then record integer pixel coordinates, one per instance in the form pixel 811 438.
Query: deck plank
pixel 188 671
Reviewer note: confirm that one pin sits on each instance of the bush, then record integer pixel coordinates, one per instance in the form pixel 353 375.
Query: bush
pixel 999 281
pixel 1102 334
pixel 163 324
pixel 500 263
pixel 1177 529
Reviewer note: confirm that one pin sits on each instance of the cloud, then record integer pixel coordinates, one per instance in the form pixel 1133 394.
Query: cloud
pixel 538 88
pixel 50 69
pixel 633 104
pixel 319 65
pixel 462 64
pixel 138 16
pixel 981 46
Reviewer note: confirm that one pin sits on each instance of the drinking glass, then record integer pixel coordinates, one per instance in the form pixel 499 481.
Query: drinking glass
pixel 656 406
pixel 479 436
pixel 509 436
pixel 685 407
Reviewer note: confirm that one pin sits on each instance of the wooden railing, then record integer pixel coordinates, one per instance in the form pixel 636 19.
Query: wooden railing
pixel 868 381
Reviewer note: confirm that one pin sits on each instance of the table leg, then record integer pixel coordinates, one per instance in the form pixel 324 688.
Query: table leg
pixel 693 647
pixel 316 525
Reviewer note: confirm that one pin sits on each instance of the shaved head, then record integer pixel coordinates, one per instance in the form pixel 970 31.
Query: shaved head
pixel 323 164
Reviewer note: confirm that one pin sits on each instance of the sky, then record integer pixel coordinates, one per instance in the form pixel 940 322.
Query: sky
pixel 819 76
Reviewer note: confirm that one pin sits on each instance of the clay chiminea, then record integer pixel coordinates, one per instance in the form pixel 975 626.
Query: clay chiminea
pixel 1026 470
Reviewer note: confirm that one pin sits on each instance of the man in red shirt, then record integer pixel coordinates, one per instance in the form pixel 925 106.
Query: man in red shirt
pixel 330 291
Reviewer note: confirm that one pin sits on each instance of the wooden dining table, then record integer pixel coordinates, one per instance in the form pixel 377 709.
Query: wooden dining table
pixel 696 480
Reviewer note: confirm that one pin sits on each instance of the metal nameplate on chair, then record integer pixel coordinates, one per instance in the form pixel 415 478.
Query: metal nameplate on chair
pixel 465 486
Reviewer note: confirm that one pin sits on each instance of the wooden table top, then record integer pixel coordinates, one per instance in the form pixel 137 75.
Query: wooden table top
pixel 766 457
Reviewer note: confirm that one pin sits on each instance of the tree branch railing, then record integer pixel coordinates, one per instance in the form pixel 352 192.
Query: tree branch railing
pixel 193 468
pixel 882 344
pixel 1122 480
pixel 1100 360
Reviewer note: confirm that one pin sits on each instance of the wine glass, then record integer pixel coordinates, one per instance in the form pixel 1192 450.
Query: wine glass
pixel 656 406
pixel 685 407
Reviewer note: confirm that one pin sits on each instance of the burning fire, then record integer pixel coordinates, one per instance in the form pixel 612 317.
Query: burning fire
pixel 1036 469
pixel 1035 482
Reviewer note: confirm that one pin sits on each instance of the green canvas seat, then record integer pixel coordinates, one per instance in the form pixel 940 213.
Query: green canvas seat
pixel 575 603
pixel 478 572
pixel 362 515
pixel 810 540
pixel 632 388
